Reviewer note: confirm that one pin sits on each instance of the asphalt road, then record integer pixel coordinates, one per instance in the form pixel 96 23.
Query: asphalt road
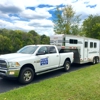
pixel 7 85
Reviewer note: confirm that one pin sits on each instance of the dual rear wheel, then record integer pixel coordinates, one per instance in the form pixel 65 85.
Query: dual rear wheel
pixel 95 60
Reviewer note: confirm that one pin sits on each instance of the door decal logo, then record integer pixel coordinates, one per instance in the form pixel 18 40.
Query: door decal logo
pixel 44 61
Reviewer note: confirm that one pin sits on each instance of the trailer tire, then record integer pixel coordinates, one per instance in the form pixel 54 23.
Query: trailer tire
pixel 26 75
pixel 94 61
pixel 67 65
pixel 97 60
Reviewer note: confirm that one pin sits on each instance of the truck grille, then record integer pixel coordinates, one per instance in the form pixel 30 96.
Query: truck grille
pixel 3 64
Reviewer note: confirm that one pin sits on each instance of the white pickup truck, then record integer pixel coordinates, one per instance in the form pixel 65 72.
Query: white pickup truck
pixel 33 60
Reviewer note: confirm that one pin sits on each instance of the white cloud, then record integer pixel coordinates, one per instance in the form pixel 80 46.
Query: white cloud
pixel 41 23
pixel 14 18
pixel 16 25
pixel 23 25
pixel 5 24
pixel 80 6
pixel 46 31
pixel 42 26
pixel 36 14
pixel 3 15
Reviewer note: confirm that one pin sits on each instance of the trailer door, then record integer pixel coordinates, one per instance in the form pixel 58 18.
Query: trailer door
pixel 85 51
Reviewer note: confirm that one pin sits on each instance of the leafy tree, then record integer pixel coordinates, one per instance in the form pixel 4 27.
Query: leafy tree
pixel 44 39
pixel 17 44
pixel 66 21
pixel 91 26
pixel 58 22
pixel 5 45
pixel 33 33
pixel 4 32
pixel 35 36
pixel 12 40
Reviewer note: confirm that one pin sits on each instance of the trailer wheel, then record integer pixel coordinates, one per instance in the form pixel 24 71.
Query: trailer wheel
pixel 97 60
pixel 94 61
pixel 67 65
pixel 26 75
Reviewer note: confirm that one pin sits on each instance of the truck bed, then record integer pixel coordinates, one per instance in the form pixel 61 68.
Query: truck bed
pixel 76 54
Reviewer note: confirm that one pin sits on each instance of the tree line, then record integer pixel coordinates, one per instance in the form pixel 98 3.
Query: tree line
pixel 13 40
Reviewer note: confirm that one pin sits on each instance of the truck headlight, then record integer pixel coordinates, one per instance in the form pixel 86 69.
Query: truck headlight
pixel 13 64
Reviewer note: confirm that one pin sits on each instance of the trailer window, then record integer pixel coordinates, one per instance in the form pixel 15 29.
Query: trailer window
pixel 64 41
pixel 73 41
pixel 91 44
pixel 86 44
pixel 95 45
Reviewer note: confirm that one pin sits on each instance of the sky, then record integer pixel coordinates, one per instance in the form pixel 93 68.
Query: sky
pixel 37 15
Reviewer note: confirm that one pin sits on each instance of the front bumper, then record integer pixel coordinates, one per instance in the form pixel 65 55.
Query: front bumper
pixel 11 73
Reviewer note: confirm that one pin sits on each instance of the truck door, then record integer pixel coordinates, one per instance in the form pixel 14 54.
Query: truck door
pixel 42 59
pixel 86 51
pixel 54 57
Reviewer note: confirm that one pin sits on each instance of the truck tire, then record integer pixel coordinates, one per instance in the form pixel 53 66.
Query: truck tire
pixel 26 75
pixel 66 65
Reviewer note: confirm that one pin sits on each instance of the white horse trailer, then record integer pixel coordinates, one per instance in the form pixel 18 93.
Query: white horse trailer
pixel 85 49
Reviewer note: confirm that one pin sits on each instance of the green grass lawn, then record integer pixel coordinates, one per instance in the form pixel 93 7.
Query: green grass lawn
pixel 83 84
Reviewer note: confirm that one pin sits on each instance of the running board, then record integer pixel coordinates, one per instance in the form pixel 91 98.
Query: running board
pixel 50 70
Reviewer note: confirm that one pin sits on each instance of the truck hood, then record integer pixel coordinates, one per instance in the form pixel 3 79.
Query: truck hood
pixel 14 56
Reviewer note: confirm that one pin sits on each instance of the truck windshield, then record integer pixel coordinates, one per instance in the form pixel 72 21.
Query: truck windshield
pixel 28 49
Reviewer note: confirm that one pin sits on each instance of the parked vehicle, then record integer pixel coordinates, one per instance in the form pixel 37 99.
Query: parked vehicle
pixel 85 49
pixel 34 59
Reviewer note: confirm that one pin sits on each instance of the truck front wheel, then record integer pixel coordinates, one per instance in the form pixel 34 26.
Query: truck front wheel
pixel 66 65
pixel 26 75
